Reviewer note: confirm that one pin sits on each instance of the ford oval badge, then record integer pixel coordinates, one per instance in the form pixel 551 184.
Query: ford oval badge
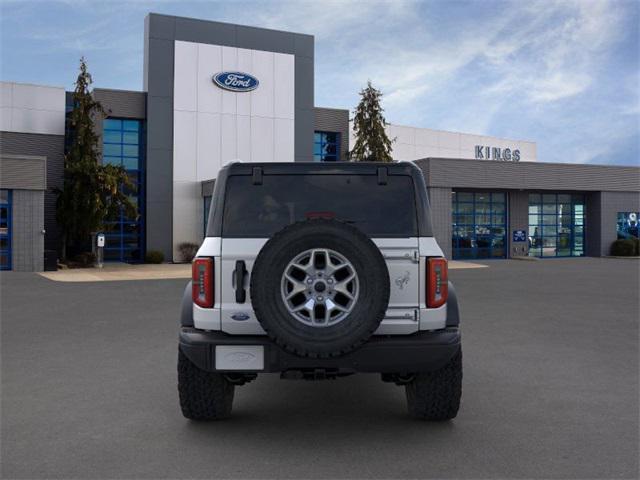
pixel 236 81
pixel 240 316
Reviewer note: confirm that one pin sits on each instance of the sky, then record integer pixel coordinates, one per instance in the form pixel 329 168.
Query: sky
pixel 565 74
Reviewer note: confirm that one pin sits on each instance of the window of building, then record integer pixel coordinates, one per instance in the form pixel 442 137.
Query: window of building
pixel 326 147
pixel 627 225
pixel 123 145
pixel 556 225
pixel 207 207
pixel 5 229
pixel 479 224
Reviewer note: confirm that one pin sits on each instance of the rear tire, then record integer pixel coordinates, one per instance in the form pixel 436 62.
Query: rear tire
pixel 203 395
pixel 435 396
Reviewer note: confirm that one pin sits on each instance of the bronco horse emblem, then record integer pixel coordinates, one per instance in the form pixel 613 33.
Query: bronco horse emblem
pixel 403 280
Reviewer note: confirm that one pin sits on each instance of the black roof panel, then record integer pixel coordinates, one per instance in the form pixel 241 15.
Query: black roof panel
pixel 323 168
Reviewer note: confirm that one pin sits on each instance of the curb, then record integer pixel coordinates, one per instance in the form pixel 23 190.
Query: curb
pixel 525 258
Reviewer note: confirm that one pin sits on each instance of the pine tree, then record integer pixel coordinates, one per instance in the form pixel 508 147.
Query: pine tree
pixel 91 192
pixel 371 141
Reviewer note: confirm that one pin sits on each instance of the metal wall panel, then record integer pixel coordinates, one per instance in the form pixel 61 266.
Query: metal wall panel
pixel 518 220
pixel 122 103
pixel 593 224
pixel 23 172
pixel 159 83
pixel 412 143
pixel 35 109
pixel 27 240
pixel 334 120
pixel 486 174
pixel 52 148
pixel 440 201
pixel 207 188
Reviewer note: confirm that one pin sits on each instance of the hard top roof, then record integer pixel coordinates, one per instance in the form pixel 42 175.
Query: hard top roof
pixel 325 168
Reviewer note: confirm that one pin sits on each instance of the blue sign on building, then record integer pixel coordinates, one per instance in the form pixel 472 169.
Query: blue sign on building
pixel 236 81
pixel 519 236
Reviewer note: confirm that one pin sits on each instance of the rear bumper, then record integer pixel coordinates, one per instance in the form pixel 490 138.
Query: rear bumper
pixel 420 352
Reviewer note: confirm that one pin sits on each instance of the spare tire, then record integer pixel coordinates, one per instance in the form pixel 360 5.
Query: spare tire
pixel 320 288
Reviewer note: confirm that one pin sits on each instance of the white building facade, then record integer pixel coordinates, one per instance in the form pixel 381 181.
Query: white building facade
pixel 411 143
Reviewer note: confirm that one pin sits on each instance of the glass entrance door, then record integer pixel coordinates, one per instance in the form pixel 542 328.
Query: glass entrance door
pixel 479 225
pixel 5 229
pixel 556 225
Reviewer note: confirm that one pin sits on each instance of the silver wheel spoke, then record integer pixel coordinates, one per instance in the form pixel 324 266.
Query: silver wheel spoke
pixel 342 287
pixel 298 287
pixel 305 268
pixel 312 311
pixel 331 306
pixel 331 268
pixel 293 280
pixel 308 306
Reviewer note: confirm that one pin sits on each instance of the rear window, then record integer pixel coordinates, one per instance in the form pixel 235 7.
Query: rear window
pixel 262 210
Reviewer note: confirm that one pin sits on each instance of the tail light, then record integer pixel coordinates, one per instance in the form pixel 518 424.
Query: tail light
pixel 202 282
pixel 437 282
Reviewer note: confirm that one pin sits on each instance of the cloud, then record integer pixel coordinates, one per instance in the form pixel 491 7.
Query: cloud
pixel 558 61
pixel 332 19
pixel 562 73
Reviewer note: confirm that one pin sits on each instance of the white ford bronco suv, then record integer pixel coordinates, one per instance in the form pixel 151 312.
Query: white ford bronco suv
pixel 314 271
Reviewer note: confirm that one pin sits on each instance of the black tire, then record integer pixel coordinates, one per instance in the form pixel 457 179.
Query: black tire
pixel 436 395
pixel 203 395
pixel 357 326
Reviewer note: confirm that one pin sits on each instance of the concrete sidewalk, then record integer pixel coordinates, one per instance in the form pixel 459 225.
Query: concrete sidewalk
pixel 460 265
pixel 124 271
pixel 121 271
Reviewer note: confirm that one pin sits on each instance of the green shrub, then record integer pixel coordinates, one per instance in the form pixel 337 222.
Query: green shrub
pixel 624 248
pixel 636 241
pixel 154 256
pixel 85 259
pixel 188 250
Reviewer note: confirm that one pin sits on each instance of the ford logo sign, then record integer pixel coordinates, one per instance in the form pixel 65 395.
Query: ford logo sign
pixel 236 81
pixel 239 357
pixel 240 316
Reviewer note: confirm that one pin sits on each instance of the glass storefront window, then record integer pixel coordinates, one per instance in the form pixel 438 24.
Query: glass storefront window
pixel 326 147
pixel 479 225
pixel 627 225
pixel 123 145
pixel 5 229
pixel 464 197
pixel 556 225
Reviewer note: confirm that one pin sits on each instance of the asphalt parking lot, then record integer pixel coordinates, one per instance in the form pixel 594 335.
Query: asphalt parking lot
pixel 550 388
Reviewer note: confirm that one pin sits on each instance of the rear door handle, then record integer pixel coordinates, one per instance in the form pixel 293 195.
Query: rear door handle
pixel 239 274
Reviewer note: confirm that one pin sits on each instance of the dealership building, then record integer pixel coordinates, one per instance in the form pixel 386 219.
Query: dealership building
pixel 215 93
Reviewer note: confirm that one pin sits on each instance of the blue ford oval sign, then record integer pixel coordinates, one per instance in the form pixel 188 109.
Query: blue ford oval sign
pixel 236 81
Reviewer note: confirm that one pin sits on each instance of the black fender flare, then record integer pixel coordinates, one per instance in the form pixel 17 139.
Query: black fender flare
pixel 186 308
pixel 453 311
